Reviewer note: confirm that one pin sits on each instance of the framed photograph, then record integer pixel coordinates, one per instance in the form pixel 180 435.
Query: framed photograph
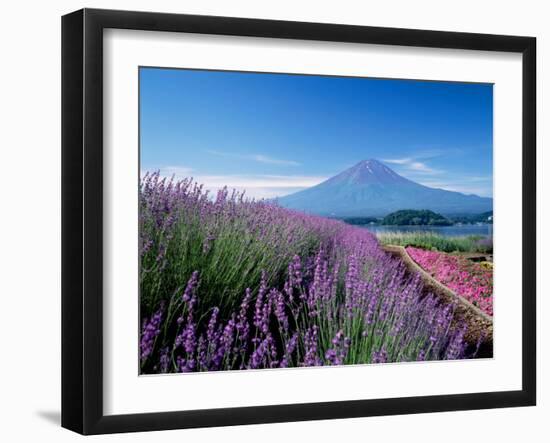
pixel 268 221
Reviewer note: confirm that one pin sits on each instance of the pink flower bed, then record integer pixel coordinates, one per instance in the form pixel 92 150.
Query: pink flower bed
pixel 468 279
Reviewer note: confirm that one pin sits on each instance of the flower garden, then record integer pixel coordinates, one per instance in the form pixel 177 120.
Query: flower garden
pixel 473 281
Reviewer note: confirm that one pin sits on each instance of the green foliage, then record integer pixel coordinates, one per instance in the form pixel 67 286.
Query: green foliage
pixel 415 217
pixel 484 217
pixel 430 240
pixel 360 220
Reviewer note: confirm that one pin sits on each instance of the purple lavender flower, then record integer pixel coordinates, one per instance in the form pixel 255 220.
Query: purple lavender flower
pixel 225 343
pixel 258 357
pixel 211 331
pixel 380 356
pixel 338 352
pixel 164 361
pixel 191 286
pixel 455 349
pixel 149 332
pixel 310 342
pixel 242 325
pixel 259 313
pixel 421 355
pixel 280 312
pixel 289 349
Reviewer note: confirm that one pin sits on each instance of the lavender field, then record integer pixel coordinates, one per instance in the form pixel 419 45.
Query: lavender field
pixel 228 283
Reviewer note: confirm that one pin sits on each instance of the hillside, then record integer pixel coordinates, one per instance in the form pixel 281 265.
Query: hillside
pixel 415 217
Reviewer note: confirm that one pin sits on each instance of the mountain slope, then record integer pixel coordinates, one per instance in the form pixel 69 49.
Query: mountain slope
pixel 370 188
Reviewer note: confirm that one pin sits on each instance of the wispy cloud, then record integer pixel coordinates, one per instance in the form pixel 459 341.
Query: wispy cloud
pixel 483 190
pixel 260 158
pixel 423 168
pixel 413 165
pixel 178 172
pixel 256 186
pixel 481 185
pixel 420 171
pixel 398 161
pixel 273 161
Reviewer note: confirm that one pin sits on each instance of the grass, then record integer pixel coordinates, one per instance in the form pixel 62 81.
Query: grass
pixel 433 241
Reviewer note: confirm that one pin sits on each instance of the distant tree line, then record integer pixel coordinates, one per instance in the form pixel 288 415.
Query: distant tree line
pixel 416 217
pixel 484 217
pixel 361 220
pixel 420 217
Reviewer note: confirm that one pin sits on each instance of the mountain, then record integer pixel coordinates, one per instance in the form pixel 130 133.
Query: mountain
pixel 370 188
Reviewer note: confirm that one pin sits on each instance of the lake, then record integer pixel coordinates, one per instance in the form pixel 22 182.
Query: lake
pixel 447 231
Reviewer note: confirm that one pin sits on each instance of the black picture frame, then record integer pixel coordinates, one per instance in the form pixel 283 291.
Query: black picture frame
pixel 82 218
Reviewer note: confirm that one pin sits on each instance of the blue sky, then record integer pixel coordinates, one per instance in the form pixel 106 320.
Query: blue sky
pixel 274 134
